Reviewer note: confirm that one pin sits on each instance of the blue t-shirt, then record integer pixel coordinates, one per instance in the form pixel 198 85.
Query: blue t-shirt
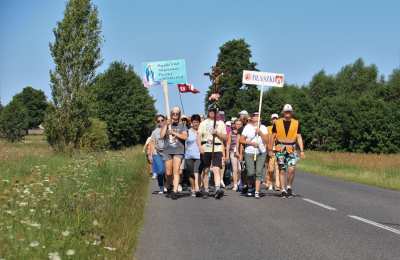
pixel 192 149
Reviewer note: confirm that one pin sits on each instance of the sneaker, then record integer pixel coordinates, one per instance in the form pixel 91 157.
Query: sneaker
pixel 205 194
pixel 174 195
pixel 249 194
pixel 193 194
pixel 165 189
pixel 154 176
pixel 284 194
pixel 198 194
pixel 289 192
pixel 161 191
pixel 219 194
pixel 277 189
pixel 222 184
pixel 270 188
pixel 179 188
pixel 257 195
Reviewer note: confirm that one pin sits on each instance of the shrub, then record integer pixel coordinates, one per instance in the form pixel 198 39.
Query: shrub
pixel 95 137
pixel 13 121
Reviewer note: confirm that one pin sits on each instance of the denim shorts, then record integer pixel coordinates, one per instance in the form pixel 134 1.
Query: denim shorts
pixel 158 166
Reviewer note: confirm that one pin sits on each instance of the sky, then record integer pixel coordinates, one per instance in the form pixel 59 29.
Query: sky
pixel 297 38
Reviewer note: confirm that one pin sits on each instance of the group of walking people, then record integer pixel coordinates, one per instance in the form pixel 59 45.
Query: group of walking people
pixel 242 151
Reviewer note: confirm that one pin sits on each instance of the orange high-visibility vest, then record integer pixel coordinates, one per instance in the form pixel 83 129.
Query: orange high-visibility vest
pixel 291 136
pixel 269 129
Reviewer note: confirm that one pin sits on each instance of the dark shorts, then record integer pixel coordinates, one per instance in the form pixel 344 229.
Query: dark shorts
pixel 168 157
pixel 192 166
pixel 206 160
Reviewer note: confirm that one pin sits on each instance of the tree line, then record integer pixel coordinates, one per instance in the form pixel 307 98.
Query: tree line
pixel 88 110
pixel 354 110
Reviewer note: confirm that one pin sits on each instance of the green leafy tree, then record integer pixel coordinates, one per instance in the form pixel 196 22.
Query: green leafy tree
pixel 233 58
pixel 124 104
pixel 392 90
pixel 322 86
pixel 76 54
pixel 356 78
pixel 35 103
pixel 13 121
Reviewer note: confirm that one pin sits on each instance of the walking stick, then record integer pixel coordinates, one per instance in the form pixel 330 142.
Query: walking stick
pixel 214 77
pixel 259 117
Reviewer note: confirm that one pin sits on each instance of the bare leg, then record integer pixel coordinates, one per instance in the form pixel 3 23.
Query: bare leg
pixel 217 177
pixel 176 170
pixel 192 183
pixel 196 182
pixel 258 185
pixel 205 179
pixel 235 166
pixel 282 175
pixel 291 173
pixel 168 172
pixel 277 178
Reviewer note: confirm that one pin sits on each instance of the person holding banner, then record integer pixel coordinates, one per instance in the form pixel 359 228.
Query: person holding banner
pixel 210 140
pixel 286 134
pixel 254 138
pixel 174 134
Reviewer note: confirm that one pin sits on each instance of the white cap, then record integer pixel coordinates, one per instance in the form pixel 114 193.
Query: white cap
pixel 233 119
pixel 244 113
pixel 287 108
pixel 228 123
pixel 274 116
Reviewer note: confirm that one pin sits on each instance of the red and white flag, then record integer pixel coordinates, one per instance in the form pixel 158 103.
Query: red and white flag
pixel 184 88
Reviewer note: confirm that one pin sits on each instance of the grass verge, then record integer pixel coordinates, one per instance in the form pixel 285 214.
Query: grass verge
pixel 85 206
pixel 371 169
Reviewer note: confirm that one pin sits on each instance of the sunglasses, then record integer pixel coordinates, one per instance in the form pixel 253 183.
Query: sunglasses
pixel 175 114
pixel 161 120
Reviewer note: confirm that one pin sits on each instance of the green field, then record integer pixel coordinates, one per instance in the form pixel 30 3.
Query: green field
pixel 371 169
pixel 85 206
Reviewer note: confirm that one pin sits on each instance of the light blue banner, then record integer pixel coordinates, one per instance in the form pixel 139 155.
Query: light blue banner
pixel 173 71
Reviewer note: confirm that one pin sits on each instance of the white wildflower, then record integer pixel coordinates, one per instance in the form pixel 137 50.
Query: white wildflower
pixel 34 244
pixel 95 223
pixel 96 242
pixel 110 248
pixel 23 204
pixel 65 233
pixel 70 252
pixel 54 256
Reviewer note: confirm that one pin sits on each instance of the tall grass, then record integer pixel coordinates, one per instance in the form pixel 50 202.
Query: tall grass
pixel 380 170
pixel 85 206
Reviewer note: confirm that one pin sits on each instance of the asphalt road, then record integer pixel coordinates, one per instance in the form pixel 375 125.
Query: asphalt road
pixel 328 219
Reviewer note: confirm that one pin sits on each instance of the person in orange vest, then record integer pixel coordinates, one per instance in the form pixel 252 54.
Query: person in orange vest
pixel 271 165
pixel 286 134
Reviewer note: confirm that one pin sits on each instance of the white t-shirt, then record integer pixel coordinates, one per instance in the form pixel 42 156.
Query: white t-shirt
pixel 249 132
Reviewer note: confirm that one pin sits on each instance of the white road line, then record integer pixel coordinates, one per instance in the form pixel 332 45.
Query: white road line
pixel 319 204
pixel 396 231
